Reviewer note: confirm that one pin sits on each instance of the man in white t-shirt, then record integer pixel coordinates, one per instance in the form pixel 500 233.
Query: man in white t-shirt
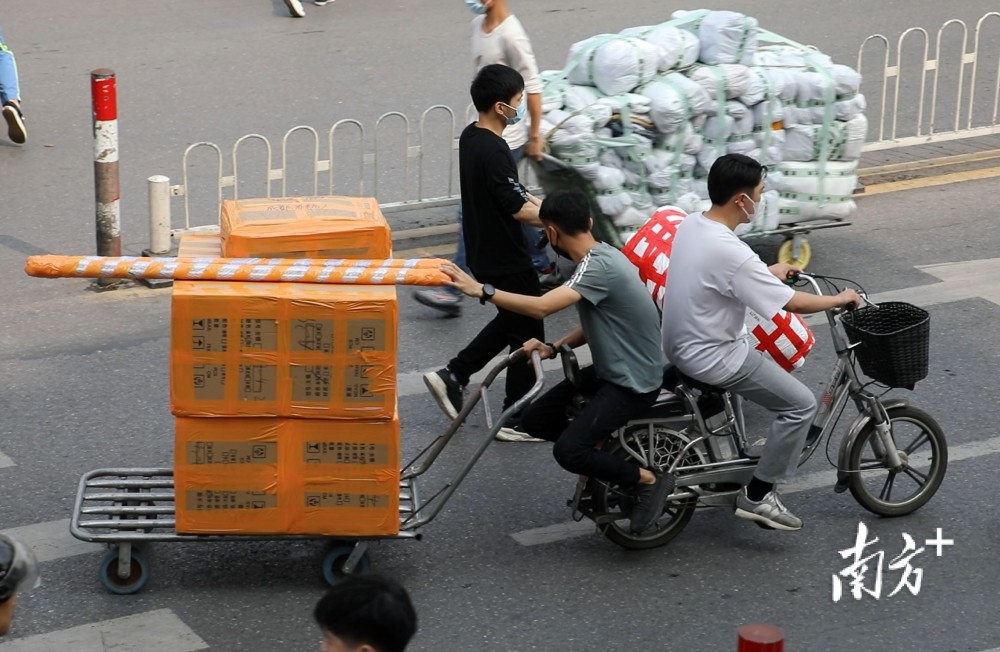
pixel 498 37
pixel 714 277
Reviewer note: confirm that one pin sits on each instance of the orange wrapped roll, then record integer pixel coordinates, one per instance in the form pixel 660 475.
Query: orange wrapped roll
pixel 391 271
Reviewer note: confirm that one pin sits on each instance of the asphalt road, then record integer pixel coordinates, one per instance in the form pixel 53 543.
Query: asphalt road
pixel 85 374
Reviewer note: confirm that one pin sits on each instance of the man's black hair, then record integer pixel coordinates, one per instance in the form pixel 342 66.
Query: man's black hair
pixel 731 175
pixel 495 83
pixel 568 209
pixel 368 610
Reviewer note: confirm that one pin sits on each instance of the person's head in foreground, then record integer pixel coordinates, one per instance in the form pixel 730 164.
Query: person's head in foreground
pixel 18 572
pixel 366 613
pixel 735 186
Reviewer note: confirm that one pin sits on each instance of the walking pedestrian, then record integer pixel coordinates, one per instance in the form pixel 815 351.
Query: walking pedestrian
pixel 10 94
pixel 499 37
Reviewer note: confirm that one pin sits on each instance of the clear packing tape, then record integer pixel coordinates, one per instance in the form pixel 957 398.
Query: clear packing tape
pixel 390 271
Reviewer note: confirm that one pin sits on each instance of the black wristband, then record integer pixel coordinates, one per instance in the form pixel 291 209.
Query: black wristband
pixel 555 351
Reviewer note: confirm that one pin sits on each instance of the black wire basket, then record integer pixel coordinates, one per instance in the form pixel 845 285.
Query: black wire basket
pixel 893 342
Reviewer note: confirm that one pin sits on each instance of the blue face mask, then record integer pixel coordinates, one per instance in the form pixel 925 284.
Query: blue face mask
pixel 475 6
pixel 518 112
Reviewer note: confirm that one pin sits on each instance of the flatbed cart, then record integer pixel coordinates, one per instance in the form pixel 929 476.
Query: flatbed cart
pixel 553 174
pixel 127 508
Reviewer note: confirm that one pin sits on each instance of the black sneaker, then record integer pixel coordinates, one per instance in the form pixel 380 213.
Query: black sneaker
pixel 447 302
pixel 649 502
pixel 15 123
pixel 446 390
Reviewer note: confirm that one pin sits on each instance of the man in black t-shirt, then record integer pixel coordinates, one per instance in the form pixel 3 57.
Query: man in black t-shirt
pixel 494 204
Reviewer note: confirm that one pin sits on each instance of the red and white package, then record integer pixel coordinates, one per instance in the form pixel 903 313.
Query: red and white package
pixel 649 249
pixel 784 337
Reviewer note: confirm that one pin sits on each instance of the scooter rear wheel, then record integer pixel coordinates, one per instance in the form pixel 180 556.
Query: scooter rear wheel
pixel 611 498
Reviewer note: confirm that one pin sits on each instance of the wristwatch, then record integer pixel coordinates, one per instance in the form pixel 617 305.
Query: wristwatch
pixel 488 292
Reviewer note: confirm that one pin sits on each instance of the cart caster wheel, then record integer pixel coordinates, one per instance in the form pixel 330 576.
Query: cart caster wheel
pixel 333 565
pixel 138 576
pixel 785 254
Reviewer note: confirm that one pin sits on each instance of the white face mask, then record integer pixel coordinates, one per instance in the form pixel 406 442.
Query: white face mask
pixel 758 208
pixel 475 6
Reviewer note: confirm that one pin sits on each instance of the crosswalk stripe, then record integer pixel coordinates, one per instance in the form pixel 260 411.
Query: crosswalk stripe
pixel 152 631
pixel 51 540
pixel 5 461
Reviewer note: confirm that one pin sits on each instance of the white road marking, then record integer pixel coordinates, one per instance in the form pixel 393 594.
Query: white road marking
pixel 5 461
pixel 817 480
pixel 52 540
pixel 152 631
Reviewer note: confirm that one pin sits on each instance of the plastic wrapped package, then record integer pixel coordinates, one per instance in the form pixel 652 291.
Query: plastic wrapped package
pixel 609 178
pixel 837 178
pixel 612 63
pixel 843 140
pixel 614 202
pixel 304 227
pixel 581 97
pixel 796 210
pixel 678 48
pixel 726 81
pixel 725 36
pixel 554 87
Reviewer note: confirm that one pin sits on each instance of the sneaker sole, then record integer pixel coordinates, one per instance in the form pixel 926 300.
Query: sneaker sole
pixel 15 126
pixel 451 311
pixel 757 518
pixel 439 391
pixel 503 436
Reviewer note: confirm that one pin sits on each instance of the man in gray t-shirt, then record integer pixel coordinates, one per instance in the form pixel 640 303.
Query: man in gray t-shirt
pixel 622 326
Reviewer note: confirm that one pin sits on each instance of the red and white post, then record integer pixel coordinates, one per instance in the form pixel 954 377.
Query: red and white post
pixel 760 638
pixel 103 89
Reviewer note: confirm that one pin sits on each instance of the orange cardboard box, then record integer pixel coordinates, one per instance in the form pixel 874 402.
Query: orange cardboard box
pixel 287 476
pixel 283 350
pixel 305 227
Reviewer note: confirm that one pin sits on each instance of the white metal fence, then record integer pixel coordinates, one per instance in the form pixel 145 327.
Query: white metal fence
pixel 410 167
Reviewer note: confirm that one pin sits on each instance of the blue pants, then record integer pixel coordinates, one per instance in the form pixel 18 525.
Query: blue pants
pixel 539 258
pixel 9 89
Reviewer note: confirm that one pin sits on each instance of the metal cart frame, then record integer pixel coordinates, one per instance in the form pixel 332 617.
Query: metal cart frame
pixel 128 507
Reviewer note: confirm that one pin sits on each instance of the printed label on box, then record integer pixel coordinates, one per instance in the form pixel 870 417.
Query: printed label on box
pixel 366 334
pixel 210 500
pixel 311 383
pixel 319 499
pixel 357 453
pixel 312 335
pixel 209 382
pixel 209 335
pixel 232 452
pixel 357 386
pixel 258 382
pixel 258 335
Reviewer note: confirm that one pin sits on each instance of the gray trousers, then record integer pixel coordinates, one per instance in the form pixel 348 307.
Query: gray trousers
pixel 762 381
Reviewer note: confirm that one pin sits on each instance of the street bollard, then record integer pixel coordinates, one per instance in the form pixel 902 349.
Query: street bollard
pixel 760 638
pixel 103 90
pixel 159 216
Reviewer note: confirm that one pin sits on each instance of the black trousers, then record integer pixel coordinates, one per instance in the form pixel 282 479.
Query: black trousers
pixel 506 330
pixel 608 408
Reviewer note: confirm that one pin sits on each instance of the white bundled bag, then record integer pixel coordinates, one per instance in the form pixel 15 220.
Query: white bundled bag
pixel 678 48
pixel 726 36
pixel 612 63
pixel 727 80
pixel 833 178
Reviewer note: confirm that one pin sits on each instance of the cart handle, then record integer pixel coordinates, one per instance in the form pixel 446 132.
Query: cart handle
pixel 433 506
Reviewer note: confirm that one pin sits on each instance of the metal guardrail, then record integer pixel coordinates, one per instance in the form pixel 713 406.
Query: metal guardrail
pixel 413 170
pixel 947 120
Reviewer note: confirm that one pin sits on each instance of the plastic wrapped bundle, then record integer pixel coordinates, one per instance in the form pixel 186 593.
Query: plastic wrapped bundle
pixel 725 82
pixel 554 87
pixel 678 48
pixel 725 36
pixel 612 63
pixel 843 140
pixel 675 100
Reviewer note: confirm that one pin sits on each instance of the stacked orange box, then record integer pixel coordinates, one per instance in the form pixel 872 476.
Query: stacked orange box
pixel 285 393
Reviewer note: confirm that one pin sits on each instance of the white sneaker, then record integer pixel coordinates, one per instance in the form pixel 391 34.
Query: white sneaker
pixel 295 8
pixel 320 3
pixel 514 433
